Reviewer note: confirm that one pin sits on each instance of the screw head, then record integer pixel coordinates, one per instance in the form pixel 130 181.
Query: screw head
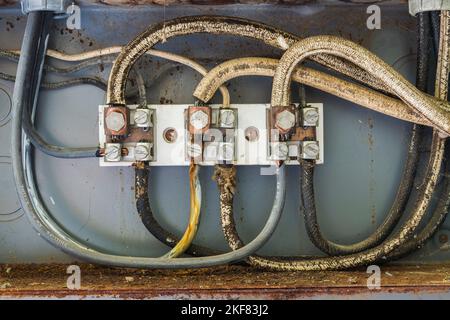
pixel 141 117
pixel 310 117
pixel 115 121
pixel 311 149
pixel 280 150
pixel 194 150
pixel 113 152
pixel 199 119
pixel 141 152
pixel 227 118
pixel 285 120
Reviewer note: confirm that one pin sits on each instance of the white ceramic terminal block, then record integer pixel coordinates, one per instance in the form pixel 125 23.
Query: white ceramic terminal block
pixel 249 144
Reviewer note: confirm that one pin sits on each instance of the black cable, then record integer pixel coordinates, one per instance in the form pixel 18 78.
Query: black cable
pixel 148 219
pixel 437 218
pixel 406 182
pixel 54 232
pixel 54 150
pixel 440 212
pixel 435 17
pixel 27 125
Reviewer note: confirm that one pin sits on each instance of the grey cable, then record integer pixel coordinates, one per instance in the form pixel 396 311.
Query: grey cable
pixel 55 233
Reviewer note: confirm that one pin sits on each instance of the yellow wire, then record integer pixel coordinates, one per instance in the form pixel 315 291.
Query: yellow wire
pixel 194 216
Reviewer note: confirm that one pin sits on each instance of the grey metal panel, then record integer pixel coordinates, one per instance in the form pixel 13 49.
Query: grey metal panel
pixel 355 187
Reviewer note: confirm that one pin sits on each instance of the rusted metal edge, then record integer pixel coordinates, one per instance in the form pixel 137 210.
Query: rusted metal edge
pixel 225 282
pixel 278 294
pixel 4 3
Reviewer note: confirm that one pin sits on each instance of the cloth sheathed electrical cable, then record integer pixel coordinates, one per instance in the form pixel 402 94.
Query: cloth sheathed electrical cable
pixel 266 67
pixel 147 216
pixel 143 206
pixel 215 25
pixel 225 102
pixel 397 209
pixel 280 96
pixel 64 152
pixel 357 94
pixel 307 190
pixel 73 246
pixel 42 220
pixel 442 37
pixel 257 66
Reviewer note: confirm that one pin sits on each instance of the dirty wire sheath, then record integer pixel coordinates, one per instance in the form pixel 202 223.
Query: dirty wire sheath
pixel 194 216
pixel 142 178
pixel 401 236
pixel 441 211
pixel 216 25
pixel 257 66
pixel 406 181
pixel 378 253
pixel 263 66
pixel 394 241
pixel 435 110
pixel 99 83
pixel 54 232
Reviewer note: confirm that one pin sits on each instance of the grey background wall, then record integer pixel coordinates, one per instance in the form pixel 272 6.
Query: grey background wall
pixel 364 151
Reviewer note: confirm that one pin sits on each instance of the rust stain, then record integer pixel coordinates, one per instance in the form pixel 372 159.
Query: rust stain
pixel 4 3
pixel 213 2
pixel 226 2
pixel 372 182
pixel 219 282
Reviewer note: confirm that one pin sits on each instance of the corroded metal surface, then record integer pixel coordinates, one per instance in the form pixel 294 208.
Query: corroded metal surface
pixel 45 281
pixel 217 2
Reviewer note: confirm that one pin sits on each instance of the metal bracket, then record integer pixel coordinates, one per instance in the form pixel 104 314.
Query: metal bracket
pixel 417 6
pixel 57 6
